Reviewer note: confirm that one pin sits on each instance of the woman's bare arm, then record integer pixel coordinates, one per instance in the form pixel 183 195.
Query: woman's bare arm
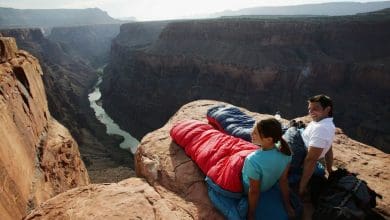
pixel 283 183
pixel 253 197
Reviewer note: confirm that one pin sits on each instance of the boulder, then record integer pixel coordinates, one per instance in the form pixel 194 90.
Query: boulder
pixel 163 162
pixel 132 198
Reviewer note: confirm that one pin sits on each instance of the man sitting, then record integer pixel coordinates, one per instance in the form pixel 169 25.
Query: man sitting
pixel 318 137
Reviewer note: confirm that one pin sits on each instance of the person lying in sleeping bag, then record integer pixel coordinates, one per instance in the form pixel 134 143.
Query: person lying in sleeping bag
pixel 264 167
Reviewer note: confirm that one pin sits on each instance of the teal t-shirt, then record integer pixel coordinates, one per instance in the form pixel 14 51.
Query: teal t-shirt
pixel 266 166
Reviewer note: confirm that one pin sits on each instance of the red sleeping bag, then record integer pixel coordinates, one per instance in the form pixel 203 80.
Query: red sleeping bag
pixel 220 156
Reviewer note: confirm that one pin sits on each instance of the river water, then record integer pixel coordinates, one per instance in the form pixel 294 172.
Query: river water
pixel 129 142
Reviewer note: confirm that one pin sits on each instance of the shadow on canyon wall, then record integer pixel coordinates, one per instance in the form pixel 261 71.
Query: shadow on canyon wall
pixel 265 65
pixel 69 74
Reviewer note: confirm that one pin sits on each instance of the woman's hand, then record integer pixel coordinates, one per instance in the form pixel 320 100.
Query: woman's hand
pixel 302 193
pixel 290 212
pixel 283 183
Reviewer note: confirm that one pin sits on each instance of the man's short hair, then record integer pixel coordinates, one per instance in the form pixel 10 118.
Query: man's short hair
pixel 325 101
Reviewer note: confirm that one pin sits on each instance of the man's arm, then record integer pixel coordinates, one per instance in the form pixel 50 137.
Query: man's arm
pixel 308 167
pixel 329 160
pixel 253 197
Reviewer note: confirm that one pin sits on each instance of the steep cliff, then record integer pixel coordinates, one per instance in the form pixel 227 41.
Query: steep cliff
pixel 89 42
pixel 67 81
pixel 139 34
pixel 265 65
pixel 11 18
pixel 39 157
pixel 132 36
pixel 322 9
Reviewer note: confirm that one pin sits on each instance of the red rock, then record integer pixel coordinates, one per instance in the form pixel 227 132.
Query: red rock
pixel 161 161
pixel 39 158
pixel 175 187
pixel 8 49
pixel 133 198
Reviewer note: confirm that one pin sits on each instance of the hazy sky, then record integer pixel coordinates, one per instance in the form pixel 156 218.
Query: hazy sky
pixel 156 9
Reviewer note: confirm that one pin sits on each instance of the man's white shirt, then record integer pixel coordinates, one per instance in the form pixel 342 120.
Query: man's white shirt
pixel 319 134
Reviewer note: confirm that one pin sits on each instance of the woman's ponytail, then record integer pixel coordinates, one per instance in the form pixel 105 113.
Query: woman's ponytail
pixel 284 148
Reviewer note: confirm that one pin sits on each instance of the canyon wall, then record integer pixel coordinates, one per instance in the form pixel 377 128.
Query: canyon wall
pixel 90 42
pixel 39 157
pixel 68 80
pixel 24 18
pixel 265 65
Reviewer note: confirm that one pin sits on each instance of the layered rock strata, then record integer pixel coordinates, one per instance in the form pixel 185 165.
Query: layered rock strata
pixel 67 80
pixel 39 157
pixel 25 18
pixel 265 65
pixel 90 42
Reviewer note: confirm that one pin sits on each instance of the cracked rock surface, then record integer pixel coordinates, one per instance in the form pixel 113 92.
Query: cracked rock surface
pixel 38 156
pixel 133 198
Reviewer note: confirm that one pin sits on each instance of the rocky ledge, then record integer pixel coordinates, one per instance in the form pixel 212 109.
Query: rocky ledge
pixel 174 186
pixel 133 198
pixel 160 160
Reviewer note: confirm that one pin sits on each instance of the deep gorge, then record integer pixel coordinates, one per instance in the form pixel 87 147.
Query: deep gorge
pixel 69 72
pixel 265 65
pixel 54 142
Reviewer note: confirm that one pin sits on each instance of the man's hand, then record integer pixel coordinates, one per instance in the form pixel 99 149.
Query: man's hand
pixel 329 160
pixel 308 167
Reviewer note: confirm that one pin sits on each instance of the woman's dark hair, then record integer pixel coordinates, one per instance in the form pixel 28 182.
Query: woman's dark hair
pixel 324 101
pixel 272 128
